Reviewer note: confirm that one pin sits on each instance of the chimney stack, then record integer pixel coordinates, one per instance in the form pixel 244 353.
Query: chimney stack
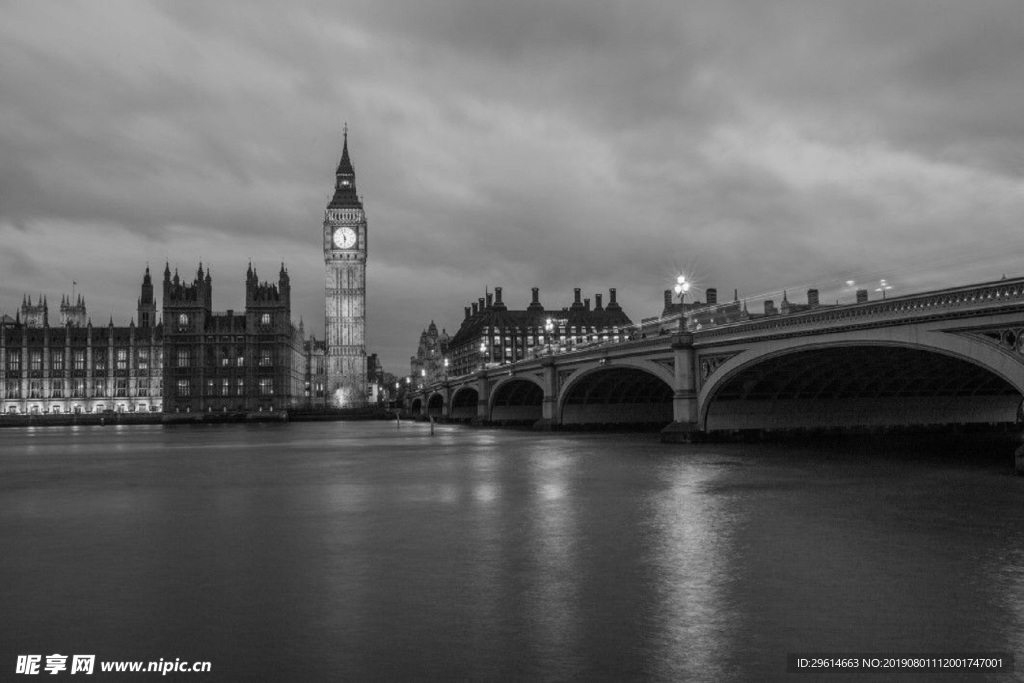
pixel 497 295
pixel 475 308
pixel 862 296
pixel 481 302
pixel 467 311
pixel 535 302
pixel 576 296
pixel 769 307
pixel 611 296
pixel 490 299
pixel 586 304
pixel 812 297
pixel 668 298
pixel 597 304
pixel 712 296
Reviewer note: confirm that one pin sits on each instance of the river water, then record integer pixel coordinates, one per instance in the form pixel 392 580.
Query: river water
pixel 355 551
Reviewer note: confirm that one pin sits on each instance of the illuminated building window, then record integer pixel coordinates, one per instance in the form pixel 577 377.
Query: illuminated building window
pixel 266 358
pixel 35 360
pixel 57 361
pixel 184 387
pixel 78 360
pixel 184 358
pixel 143 359
pixel 122 359
pixel 266 386
pixel 265 319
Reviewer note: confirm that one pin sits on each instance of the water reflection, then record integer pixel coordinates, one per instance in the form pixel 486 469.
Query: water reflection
pixel 360 550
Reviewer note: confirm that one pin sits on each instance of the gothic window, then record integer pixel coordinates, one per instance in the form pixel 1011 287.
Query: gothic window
pixel 266 386
pixel 13 389
pixel 99 358
pixel 57 361
pixel 266 358
pixel 143 359
pixel 225 387
pixel 184 387
pixel 184 358
pixel 265 319
pixel 78 359
pixel 240 361
pixel 14 362
pixel 35 361
pixel 143 388
pixel 122 359
pixel 225 357
pixel 57 389
pixel 183 320
pixel 240 391
pixel 78 388
pixel 209 387
pixel 35 389
pixel 121 388
pixel 99 387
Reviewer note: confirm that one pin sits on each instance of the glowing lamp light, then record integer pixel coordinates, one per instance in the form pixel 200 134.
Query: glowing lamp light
pixel 682 286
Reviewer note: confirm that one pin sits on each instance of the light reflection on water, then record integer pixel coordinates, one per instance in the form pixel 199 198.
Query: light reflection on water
pixel 353 549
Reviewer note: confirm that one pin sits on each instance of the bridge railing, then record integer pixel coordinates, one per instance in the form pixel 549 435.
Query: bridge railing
pixel 999 294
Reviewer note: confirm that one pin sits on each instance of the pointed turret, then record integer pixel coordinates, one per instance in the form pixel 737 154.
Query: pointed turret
pixel 345 181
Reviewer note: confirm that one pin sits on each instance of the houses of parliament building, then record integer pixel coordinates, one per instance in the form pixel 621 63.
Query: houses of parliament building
pixel 191 359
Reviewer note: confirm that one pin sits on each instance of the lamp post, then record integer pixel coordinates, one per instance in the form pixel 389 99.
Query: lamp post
pixel 483 357
pixel 883 287
pixel 549 327
pixel 681 288
pixel 446 369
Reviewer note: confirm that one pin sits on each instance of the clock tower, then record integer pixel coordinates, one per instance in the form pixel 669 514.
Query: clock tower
pixel 345 289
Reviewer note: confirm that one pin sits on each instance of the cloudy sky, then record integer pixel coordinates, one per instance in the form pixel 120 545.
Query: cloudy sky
pixel 756 146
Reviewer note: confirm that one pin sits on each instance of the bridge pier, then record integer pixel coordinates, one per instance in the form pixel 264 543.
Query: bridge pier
pixel 483 398
pixel 549 406
pixel 684 427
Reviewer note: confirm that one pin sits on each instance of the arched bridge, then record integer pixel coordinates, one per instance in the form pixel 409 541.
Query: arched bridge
pixel 947 357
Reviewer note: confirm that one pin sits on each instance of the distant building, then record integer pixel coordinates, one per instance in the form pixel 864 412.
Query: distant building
pixel 250 361
pixel 75 367
pixel 491 333
pixel 428 363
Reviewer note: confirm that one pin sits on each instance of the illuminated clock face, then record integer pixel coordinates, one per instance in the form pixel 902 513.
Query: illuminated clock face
pixel 344 238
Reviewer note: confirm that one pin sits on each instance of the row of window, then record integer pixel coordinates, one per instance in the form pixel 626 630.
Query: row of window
pixel 184 319
pixel 226 387
pixel 265 359
pixel 77 388
pixel 78 359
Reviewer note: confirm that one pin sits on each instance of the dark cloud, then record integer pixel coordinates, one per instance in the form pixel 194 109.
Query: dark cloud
pixel 759 146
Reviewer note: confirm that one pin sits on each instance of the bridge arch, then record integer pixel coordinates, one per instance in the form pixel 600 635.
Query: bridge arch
pixel 624 393
pixel 416 407
pixel 516 399
pixel 435 405
pixel 863 381
pixel 464 403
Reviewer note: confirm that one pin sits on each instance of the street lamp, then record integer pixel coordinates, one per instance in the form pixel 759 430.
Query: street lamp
pixel 549 328
pixel 883 287
pixel 682 287
pixel 483 351
pixel 446 369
